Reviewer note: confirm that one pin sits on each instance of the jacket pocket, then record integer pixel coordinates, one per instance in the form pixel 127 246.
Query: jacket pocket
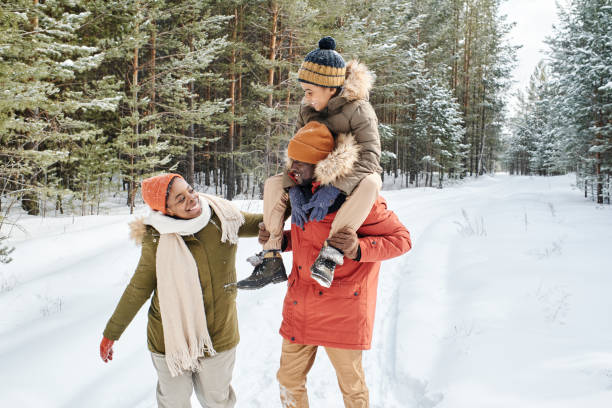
pixel 338 314
pixel 343 290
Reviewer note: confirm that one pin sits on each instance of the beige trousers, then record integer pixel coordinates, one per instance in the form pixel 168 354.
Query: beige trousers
pixel 211 384
pixel 296 361
pixel 352 213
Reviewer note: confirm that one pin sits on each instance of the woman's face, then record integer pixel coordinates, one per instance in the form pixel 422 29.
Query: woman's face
pixel 183 201
pixel 317 96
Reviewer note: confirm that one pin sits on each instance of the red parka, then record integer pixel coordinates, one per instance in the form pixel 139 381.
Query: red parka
pixel 343 315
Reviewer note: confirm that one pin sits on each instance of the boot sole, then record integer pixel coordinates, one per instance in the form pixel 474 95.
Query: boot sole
pixel 275 280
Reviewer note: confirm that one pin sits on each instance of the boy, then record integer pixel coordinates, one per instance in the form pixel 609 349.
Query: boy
pixel 336 95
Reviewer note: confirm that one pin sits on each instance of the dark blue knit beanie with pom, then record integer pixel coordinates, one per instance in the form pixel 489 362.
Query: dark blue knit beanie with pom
pixel 323 66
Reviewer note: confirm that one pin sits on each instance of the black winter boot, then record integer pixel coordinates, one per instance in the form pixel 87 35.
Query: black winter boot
pixel 324 266
pixel 269 268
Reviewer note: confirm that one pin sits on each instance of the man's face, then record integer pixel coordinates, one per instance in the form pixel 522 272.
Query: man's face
pixel 302 172
pixel 183 201
pixel 317 96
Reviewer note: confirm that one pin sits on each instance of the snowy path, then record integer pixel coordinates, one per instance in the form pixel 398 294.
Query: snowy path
pixel 510 313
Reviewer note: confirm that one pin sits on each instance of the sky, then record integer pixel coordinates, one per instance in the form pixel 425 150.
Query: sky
pixel 534 20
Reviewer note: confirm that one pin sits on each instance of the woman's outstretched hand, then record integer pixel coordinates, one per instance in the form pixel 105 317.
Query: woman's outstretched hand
pixel 106 349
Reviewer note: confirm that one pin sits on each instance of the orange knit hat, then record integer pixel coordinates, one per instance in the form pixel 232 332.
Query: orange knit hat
pixel 155 190
pixel 311 144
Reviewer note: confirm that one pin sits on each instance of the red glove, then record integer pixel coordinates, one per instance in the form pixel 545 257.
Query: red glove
pixel 106 349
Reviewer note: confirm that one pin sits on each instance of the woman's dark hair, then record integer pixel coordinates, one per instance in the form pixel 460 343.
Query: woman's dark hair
pixel 168 191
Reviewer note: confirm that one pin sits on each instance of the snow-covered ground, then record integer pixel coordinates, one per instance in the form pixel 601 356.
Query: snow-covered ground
pixel 503 302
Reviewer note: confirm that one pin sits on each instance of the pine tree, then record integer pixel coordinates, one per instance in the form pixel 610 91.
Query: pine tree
pixel 410 95
pixel 43 108
pixel 127 88
pixel 581 65
pixel 162 61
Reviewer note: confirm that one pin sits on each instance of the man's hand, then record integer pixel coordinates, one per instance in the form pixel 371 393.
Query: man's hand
pixel 345 240
pixel 106 349
pixel 264 234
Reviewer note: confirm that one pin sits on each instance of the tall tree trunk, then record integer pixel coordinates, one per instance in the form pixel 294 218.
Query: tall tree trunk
pixel 271 58
pixel 29 199
pixel 466 78
pixel 289 59
pixel 239 176
pixel 132 184
pixel 455 69
pixel 474 135
pixel 598 175
pixel 232 124
pixel 208 168
pixel 482 131
pixel 152 107
pixel 191 137
pixel 35 18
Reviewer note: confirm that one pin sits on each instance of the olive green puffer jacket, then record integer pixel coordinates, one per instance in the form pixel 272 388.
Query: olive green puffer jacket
pixel 216 268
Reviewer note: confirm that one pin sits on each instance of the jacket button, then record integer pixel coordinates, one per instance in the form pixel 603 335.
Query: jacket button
pixel 300 267
pixel 295 302
pixel 293 339
pixel 154 240
pixel 373 242
pixel 356 293
pixel 320 292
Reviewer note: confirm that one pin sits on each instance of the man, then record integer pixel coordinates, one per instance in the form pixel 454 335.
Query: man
pixel 341 317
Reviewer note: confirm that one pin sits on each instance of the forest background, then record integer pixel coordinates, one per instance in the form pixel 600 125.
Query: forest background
pixel 96 95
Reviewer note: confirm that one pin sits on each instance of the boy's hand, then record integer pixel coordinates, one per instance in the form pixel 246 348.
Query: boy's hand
pixel 347 241
pixel 264 235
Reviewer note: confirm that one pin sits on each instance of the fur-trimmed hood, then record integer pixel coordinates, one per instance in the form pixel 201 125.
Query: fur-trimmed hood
pixel 358 83
pixel 137 230
pixel 339 163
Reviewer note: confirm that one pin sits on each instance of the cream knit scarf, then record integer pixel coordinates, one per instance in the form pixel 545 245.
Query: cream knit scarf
pixel 181 304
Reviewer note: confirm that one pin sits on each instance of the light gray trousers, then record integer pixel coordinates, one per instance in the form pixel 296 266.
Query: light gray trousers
pixel 212 384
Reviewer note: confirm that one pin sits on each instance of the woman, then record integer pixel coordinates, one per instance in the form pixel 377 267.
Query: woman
pixel 188 264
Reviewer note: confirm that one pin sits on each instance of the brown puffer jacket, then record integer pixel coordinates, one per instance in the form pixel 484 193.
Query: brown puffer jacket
pixel 350 113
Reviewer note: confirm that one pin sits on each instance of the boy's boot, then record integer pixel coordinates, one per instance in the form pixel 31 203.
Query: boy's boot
pixel 269 268
pixel 324 266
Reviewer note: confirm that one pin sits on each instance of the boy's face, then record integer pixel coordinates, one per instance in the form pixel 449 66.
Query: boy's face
pixel 303 172
pixel 317 96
